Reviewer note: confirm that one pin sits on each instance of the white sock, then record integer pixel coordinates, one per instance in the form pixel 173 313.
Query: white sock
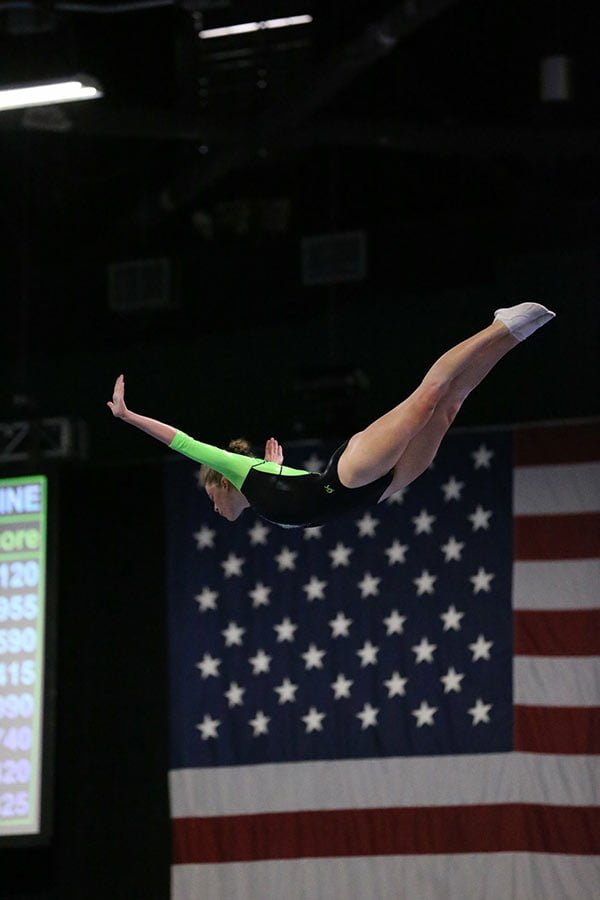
pixel 524 318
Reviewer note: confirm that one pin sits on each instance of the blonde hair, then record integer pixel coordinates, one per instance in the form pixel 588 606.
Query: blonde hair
pixel 211 476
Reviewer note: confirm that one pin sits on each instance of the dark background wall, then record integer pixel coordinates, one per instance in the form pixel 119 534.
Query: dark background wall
pixel 472 194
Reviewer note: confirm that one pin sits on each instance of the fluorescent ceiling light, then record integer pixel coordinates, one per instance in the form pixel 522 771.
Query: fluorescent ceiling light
pixel 48 93
pixel 255 26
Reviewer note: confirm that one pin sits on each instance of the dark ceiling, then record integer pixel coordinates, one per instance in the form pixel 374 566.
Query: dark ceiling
pixel 393 88
pixel 422 118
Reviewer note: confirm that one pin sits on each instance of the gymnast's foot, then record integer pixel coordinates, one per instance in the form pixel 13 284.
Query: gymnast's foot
pixel 524 318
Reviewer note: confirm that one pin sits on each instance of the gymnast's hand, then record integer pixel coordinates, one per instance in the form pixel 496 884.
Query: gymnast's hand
pixel 274 451
pixel 117 405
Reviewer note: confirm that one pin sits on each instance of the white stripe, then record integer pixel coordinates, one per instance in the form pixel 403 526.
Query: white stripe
pixel 556 681
pixel 558 584
pixel 547 490
pixel 486 876
pixel 392 782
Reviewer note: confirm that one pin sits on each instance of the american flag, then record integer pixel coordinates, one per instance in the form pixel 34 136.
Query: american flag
pixel 404 702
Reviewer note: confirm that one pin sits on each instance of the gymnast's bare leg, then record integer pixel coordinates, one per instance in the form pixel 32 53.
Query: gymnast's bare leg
pixel 407 438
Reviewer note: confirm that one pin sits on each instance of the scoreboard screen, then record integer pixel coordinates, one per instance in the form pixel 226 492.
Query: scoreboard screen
pixel 23 543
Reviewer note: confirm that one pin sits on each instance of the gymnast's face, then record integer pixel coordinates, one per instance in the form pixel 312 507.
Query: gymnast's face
pixel 226 499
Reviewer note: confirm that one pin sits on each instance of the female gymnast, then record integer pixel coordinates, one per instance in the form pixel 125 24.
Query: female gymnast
pixel 368 468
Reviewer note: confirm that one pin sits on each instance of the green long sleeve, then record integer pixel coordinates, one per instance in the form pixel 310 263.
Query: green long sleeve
pixel 233 466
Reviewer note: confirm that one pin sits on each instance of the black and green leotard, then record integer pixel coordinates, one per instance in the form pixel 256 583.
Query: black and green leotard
pixel 292 498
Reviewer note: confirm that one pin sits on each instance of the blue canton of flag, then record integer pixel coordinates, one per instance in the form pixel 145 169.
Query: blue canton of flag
pixel 387 633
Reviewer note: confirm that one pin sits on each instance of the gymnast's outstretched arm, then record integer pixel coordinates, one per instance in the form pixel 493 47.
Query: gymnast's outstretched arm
pixel 232 465
pixel 156 429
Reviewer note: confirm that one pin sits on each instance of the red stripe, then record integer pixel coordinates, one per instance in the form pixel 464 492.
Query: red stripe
pixel 557 729
pixel 512 827
pixel 570 536
pixel 557 444
pixel 557 632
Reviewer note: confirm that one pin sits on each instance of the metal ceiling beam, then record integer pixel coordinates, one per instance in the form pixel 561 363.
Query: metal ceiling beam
pixel 277 123
pixel 457 139
pixel 122 122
